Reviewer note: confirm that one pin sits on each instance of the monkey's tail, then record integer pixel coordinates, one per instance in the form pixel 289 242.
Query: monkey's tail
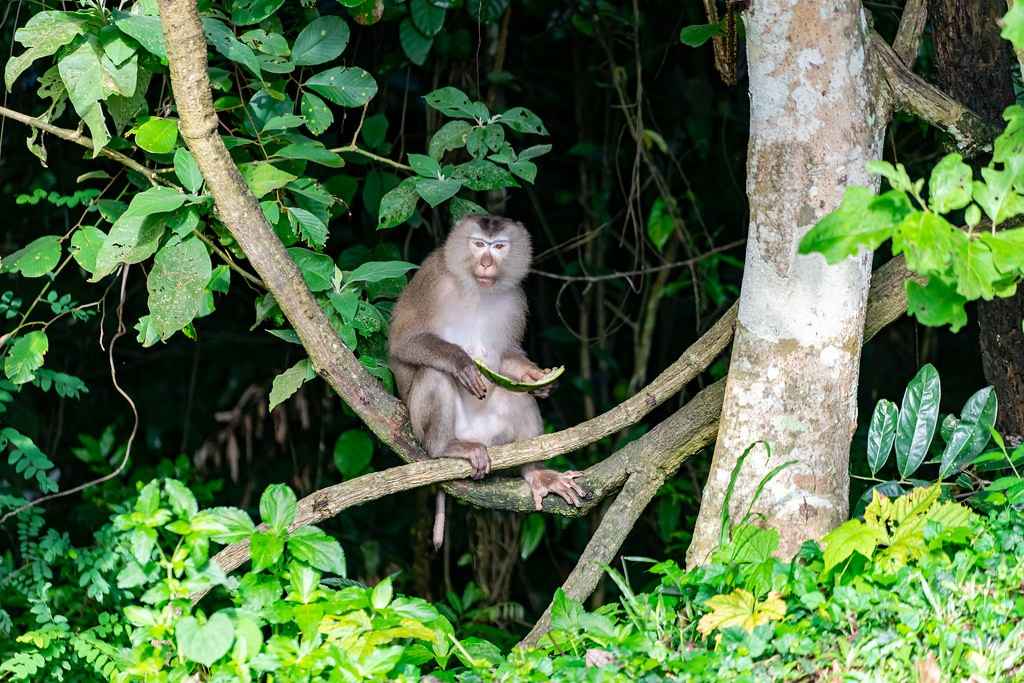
pixel 439 521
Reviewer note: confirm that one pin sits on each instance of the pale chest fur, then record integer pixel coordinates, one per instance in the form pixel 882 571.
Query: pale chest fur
pixel 480 322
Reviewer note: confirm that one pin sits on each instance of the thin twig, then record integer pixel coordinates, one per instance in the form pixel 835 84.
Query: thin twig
pixel 84 141
pixel 121 329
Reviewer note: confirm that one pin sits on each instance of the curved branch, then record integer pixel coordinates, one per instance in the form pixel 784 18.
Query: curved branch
pixel 911 93
pixel 84 141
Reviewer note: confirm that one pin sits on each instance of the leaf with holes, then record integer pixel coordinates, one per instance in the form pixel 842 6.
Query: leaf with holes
pixel 451 102
pixel 177 285
pixel 523 121
pixel 936 304
pixel 398 205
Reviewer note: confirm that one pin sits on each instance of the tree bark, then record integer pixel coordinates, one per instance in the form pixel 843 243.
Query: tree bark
pixel 973 65
pixel 814 122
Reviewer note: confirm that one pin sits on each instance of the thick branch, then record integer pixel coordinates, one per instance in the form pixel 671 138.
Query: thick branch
pixel 83 140
pixel 911 93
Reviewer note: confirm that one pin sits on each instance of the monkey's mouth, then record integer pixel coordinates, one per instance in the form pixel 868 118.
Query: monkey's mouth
pixel 485 281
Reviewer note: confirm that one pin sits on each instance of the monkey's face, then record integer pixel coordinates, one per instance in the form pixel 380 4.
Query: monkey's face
pixel 488 256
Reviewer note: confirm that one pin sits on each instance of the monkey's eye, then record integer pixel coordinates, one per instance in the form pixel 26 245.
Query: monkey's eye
pixel 499 246
pixel 479 245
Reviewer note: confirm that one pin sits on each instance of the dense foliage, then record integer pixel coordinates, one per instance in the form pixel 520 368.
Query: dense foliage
pixel 364 127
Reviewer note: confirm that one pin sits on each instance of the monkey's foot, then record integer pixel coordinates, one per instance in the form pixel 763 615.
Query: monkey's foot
pixel 535 374
pixel 475 453
pixel 562 484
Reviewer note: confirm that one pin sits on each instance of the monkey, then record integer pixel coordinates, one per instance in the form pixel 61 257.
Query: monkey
pixel 465 301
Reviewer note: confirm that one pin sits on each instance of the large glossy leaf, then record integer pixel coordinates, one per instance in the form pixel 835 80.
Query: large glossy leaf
pixel 919 413
pixel 82 74
pixel 881 434
pixel 972 433
pixel 207 643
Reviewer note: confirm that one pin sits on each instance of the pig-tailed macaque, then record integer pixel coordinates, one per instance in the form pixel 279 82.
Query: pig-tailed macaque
pixel 465 302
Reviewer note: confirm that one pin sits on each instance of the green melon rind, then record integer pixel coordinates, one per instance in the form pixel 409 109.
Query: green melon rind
pixel 521 387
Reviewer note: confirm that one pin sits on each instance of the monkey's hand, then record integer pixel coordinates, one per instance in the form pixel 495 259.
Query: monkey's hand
pixel 562 484
pixel 475 453
pixel 468 375
pixel 535 374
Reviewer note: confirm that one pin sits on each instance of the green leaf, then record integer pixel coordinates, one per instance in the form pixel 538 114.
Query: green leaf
pixel 207 643
pixel 415 45
pixel 267 547
pixel 936 304
pixel 398 205
pixel 177 285
pixel 881 434
pixel 381 595
pixel 949 187
pixel 375 271
pixel 25 356
pixel 919 414
pixel 187 170
pixel 428 17
pixel 928 242
pixel 246 12
pixel 146 30
pixel 157 135
pixel 996 195
pixel 311 150
pixel 1007 247
pixel 365 12
pixel 82 74
pixel 352 453
pixel 451 102
pixel 43 35
pixel 975 270
pixel 659 224
pixel 698 34
pixel 896 175
pixel 289 381
pixel 436 192
pixel 278 506
pixel 223 40
pixel 132 239
pixel 861 220
pixel 534 152
pixel 481 175
pixel 531 535
pixel 850 537
pixel 223 524
pixel 451 135
pixel 85 246
pixel 972 433
pixel 424 165
pixel 154 200
pixel 312 546
pixel 36 259
pixel 527 170
pixel 324 39
pixel 263 177
pixel 346 86
pixel 317 269
pixel 460 208
pixel 317 114
pixel 523 121
pixel 309 226
pixel 182 501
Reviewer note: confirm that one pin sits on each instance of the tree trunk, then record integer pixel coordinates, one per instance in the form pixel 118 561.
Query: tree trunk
pixel 973 65
pixel 814 122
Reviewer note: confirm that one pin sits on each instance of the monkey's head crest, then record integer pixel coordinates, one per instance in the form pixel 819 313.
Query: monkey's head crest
pixel 492 253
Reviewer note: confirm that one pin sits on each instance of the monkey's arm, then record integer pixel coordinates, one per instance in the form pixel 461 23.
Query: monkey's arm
pixel 428 350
